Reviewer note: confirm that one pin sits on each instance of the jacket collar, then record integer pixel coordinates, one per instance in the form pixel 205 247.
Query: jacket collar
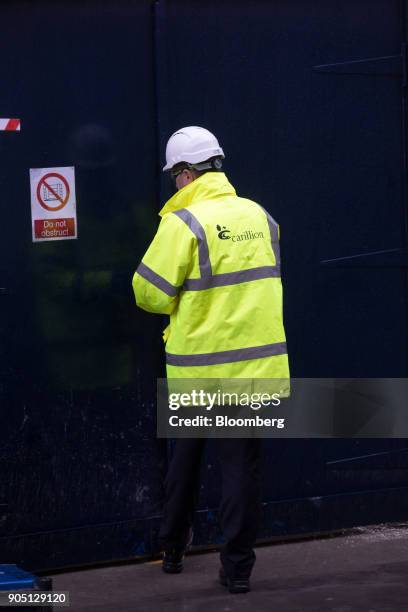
pixel 208 186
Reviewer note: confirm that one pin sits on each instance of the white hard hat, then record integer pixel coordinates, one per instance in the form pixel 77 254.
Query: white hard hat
pixel 192 145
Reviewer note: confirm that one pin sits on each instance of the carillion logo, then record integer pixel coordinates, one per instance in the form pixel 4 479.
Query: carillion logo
pixel 223 234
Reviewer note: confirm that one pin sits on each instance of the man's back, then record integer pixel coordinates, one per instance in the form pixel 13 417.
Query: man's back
pixel 219 255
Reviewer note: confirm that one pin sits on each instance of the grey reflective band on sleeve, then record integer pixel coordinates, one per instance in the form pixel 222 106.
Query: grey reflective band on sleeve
pixel 204 359
pixel 157 280
pixel 231 278
pixel 273 230
pixel 195 226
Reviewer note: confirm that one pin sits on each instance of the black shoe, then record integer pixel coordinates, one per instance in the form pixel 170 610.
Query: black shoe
pixel 235 585
pixel 173 561
pixel 173 557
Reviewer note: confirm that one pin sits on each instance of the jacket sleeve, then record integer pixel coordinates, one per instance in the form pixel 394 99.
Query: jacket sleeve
pixel 161 273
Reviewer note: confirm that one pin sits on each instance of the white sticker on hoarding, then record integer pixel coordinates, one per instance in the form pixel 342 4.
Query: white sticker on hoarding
pixel 53 204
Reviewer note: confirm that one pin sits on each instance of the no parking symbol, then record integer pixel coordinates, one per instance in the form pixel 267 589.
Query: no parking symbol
pixel 53 204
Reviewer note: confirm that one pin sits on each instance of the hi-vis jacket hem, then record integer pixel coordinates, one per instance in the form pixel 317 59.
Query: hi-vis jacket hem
pixel 203 359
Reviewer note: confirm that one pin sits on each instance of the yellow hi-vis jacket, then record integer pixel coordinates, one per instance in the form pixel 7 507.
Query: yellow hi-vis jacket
pixel 214 267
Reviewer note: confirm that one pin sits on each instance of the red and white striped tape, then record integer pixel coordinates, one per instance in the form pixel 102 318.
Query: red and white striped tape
pixel 10 125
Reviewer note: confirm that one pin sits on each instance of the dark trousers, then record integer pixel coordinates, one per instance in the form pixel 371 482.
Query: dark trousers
pixel 239 512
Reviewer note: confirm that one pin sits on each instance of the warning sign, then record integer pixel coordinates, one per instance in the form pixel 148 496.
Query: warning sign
pixel 53 204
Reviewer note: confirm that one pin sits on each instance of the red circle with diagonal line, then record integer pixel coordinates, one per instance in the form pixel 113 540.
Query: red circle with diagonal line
pixel 51 189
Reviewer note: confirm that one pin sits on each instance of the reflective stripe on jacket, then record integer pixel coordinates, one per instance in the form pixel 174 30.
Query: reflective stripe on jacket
pixel 214 267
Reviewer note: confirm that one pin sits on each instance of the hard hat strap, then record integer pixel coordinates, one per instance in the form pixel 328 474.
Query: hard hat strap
pixel 216 164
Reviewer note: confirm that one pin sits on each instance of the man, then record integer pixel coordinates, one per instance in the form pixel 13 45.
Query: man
pixel 214 267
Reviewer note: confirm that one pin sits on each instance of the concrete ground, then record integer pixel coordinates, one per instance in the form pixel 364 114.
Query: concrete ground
pixel 365 570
